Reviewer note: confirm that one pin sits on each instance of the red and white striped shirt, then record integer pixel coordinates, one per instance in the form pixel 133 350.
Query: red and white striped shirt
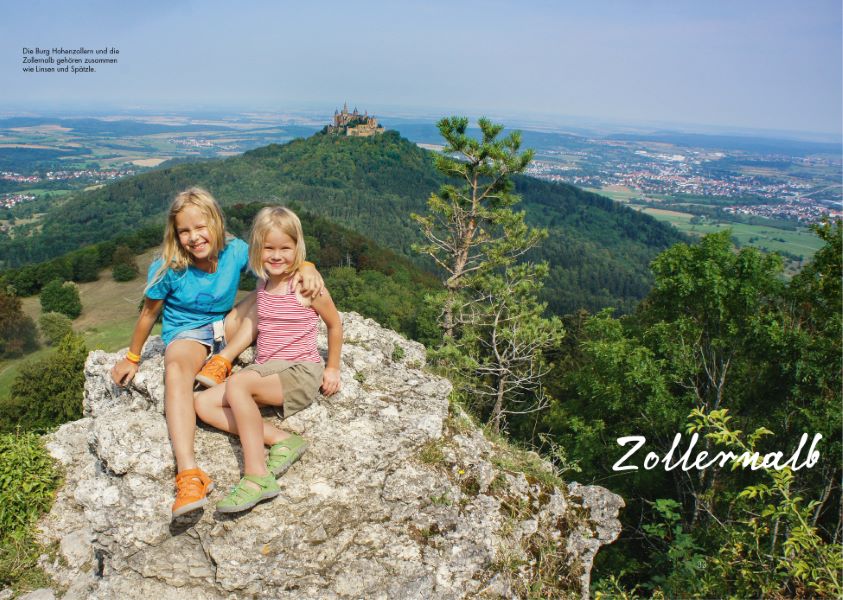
pixel 286 329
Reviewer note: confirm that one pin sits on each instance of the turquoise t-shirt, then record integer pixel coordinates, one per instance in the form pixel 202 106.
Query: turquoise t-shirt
pixel 193 298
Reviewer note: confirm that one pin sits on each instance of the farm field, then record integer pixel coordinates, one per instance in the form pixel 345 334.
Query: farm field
pixel 801 242
pixel 616 192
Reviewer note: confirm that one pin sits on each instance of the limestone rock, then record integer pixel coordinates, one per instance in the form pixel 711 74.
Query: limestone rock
pixel 41 594
pixel 396 497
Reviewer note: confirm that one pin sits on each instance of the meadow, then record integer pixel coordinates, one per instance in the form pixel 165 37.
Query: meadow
pixel 801 242
pixel 109 313
pixel 769 239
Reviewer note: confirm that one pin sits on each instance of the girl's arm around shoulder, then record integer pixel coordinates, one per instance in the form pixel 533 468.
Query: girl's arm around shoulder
pixel 324 307
pixel 308 280
pixel 124 371
pixel 241 251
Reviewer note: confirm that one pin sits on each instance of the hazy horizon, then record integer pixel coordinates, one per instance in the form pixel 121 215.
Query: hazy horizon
pixel 298 115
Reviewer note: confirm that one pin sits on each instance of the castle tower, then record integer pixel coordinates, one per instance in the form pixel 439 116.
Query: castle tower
pixel 354 124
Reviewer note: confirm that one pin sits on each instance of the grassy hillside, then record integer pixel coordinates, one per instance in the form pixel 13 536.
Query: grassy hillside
pixel 109 312
pixel 599 251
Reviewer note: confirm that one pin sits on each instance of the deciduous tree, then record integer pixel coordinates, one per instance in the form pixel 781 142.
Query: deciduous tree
pixel 17 330
pixel 54 327
pixel 124 267
pixel 62 298
pixel 48 392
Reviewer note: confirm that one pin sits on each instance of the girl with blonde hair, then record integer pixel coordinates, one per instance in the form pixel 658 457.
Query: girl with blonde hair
pixel 288 369
pixel 195 283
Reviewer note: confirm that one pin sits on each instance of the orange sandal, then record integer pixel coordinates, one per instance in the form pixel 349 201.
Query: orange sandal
pixel 215 371
pixel 192 489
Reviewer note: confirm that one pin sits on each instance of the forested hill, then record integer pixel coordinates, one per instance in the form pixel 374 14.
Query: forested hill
pixel 599 251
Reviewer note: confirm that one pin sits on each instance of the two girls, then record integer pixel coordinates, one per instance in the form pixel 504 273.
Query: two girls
pixel 195 283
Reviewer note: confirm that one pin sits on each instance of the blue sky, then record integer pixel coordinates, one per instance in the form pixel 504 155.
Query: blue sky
pixel 760 64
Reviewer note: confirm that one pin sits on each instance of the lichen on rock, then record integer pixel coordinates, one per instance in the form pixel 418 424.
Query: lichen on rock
pixel 390 501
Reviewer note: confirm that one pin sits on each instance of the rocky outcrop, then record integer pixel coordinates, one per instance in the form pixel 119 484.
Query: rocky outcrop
pixel 399 496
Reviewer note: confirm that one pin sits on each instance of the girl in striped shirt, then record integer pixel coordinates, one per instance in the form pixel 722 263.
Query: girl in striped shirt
pixel 288 369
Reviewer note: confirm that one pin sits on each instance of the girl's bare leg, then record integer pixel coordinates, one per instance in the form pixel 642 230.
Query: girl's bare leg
pixel 212 407
pixel 242 393
pixel 182 360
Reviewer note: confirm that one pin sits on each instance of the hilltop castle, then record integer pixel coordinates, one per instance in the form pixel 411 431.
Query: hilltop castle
pixel 353 123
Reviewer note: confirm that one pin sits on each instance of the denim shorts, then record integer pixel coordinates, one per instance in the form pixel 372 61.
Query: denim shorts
pixel 204 335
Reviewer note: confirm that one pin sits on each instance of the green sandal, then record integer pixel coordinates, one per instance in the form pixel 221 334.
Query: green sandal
pixel 285 453
pixel 244 496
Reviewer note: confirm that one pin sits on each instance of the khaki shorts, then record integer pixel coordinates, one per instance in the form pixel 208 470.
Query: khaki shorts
pixel 299 380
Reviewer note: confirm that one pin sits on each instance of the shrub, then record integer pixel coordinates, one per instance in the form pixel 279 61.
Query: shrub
pixel 27 480
pixel 17 331
pixel 124 267
pixel 85 264
pixel 54 327
pixel 123 272
pixel 61 297
pixel 48 392
pixel 27 486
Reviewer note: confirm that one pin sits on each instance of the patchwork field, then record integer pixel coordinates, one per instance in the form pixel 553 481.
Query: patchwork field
pixel 616 192
pixel 801 242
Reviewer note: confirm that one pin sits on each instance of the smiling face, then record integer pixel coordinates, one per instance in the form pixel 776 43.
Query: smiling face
pixel 194 234
pixel 278 254
pixel 276 243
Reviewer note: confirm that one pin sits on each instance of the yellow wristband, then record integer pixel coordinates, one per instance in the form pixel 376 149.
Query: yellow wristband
pixel 307 262
pixel 132 357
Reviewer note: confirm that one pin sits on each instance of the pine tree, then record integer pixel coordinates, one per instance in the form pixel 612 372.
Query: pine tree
pixel 507 339
pixel 470 227
pixel 495 333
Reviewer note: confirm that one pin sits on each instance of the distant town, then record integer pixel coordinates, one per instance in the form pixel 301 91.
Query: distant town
pixel 10 200
pixel 92 175
pixel 697 173
pixel 203 143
